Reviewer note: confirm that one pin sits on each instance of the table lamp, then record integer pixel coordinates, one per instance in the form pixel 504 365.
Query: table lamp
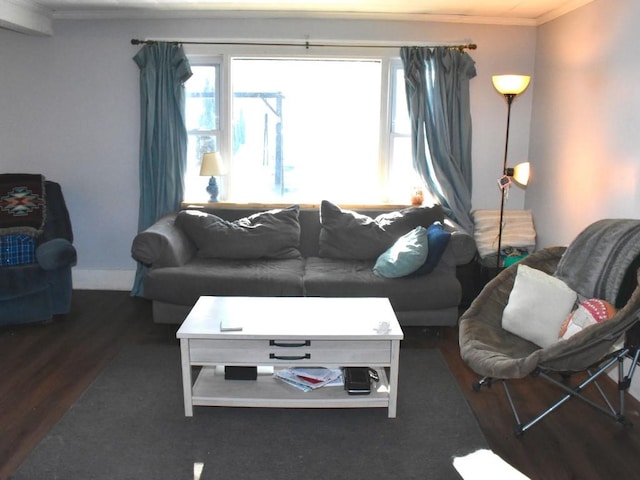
pixel 212 166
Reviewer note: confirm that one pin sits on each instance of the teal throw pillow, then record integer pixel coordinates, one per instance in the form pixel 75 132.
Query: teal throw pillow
pixel 405 256
pixel 438 241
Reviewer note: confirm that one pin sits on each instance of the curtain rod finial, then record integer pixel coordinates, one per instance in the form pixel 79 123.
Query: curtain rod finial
pixel 137 41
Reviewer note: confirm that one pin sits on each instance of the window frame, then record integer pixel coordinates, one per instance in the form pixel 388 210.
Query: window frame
pixel 390 63
pixel 192 180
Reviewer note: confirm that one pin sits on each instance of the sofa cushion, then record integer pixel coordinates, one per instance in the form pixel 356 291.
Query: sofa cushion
pixel 270 234
pixel 21 280
pixel 329 277
pixel 405 256
pixel 399 222
pixel 350 235
pixel 225 277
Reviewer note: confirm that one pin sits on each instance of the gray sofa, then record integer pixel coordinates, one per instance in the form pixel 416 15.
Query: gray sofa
pixel 324 251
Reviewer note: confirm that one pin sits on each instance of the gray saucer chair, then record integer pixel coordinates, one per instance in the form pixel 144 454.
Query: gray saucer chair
pixel 35 292
pixel 601 263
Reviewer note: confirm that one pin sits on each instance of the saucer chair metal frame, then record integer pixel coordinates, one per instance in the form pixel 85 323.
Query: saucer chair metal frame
pixel 499 356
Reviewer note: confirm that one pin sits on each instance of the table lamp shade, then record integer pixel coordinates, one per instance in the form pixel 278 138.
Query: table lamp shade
pixel 212 165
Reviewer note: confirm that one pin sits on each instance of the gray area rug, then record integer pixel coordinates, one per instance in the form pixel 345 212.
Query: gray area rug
pixel 130 424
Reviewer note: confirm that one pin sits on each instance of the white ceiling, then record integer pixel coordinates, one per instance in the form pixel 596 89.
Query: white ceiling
pixel 34 15
pixel 515 9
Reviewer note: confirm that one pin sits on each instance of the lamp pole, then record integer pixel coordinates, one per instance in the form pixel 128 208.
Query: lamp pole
pixel 509 97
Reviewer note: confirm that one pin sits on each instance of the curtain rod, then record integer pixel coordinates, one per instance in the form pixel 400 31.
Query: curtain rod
pixel 307 45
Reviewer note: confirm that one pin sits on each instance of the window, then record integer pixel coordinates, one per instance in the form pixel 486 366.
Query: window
pixel 402 177
pixel 202 116
pixel 300 130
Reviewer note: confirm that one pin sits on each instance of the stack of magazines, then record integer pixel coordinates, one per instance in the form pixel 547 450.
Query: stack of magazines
pixel 310 378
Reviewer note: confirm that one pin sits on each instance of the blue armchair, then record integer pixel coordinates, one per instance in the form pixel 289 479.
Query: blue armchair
pixel 35 292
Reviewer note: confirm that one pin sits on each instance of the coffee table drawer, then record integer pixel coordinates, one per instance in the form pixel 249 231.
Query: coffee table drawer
pixel 274 352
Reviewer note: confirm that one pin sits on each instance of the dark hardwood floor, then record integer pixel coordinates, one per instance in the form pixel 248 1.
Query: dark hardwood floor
pixel 45 368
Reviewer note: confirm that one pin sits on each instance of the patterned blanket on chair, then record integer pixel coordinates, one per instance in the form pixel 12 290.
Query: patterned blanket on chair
pixel 596 262
pixel 22 204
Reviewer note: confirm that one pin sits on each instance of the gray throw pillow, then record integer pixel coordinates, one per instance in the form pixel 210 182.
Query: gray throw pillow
pixel 270 234
pixel 348 234
pixel 402 221
pixel 351 235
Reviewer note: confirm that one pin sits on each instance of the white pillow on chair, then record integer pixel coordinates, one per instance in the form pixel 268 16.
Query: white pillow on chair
pixel 538 306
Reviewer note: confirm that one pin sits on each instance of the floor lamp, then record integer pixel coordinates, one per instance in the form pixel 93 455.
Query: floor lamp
pixel 510 86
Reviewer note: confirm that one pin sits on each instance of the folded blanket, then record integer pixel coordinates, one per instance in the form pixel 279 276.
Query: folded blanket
pixel 22 204
pixel 595 263
pixel 518 231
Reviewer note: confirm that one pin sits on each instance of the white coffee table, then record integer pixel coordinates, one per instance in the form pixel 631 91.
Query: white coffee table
pixel 281 332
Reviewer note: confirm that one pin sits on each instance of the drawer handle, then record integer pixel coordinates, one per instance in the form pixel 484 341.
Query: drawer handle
pixel 273 343
pixel 306 356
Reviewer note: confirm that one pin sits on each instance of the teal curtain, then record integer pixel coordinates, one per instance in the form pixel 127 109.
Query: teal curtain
pixel 437 87
pixel 163 135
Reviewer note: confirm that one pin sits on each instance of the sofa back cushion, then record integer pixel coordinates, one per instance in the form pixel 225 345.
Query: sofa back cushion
pixel 351 235
pixel 270 234
pixel 397 222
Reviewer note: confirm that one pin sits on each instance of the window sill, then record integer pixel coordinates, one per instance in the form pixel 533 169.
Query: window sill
pixel 303 206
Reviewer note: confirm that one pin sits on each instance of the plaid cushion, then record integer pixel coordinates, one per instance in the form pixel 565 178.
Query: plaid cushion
pixel 16 250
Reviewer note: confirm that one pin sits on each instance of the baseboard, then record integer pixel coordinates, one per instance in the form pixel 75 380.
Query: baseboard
pixel 102 279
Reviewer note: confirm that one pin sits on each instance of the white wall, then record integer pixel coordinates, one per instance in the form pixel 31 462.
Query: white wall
pixel 69 109
pixel 585 152
pixel 584 136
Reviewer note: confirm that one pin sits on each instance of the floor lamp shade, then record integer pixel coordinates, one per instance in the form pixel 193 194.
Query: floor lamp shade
pixel 511 84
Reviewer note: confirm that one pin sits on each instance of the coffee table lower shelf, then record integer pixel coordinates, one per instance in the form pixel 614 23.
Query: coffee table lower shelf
pixel 211 389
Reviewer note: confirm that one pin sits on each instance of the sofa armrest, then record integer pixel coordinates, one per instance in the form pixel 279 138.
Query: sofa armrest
pixel 462 246
pixel 56 253
pixel 163 244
